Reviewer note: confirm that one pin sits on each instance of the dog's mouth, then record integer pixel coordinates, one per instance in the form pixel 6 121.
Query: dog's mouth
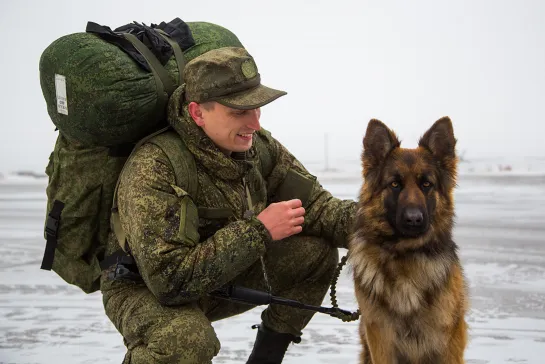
pixel 412 231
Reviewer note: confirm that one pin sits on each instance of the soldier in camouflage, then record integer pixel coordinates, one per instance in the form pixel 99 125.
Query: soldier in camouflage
pixel 256 204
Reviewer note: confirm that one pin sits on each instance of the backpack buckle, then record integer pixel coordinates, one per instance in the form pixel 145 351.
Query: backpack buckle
pixel 51 226
pixel 53 218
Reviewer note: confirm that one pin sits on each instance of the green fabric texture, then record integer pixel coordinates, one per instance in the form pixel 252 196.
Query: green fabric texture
pixel 166 316
pixel 229 76
pixel 84 179
pixel 152 210
pixel 299 268
pixel 110 99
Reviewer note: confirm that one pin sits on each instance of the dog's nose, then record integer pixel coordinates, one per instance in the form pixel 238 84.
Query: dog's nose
pixel 413 217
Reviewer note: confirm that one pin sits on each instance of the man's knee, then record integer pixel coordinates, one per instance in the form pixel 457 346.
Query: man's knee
pixel 326 259
pixel 154 333
pixel 317 250
pixel 184 341
pixel 179 341
pixel 304 257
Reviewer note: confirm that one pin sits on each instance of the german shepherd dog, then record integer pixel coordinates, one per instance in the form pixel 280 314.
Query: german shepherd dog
pixel 408 280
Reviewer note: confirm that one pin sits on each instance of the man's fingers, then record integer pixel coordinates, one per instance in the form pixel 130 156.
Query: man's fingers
pixel 297 229
pixel 300 211
pixel 295 203
pixel 298 220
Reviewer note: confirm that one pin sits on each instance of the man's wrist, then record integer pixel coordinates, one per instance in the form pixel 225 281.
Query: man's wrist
pixel 260 228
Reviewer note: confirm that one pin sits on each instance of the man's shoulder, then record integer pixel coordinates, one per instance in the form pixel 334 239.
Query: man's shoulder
pixel 148 162
pixel 163 148
pixel 163 160
pixel 146 153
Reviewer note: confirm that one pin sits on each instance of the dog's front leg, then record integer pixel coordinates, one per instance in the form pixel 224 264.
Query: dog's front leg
pixel 380 342
pixel 456 347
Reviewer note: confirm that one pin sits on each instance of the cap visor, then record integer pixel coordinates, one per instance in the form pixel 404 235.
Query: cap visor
pixel 252 99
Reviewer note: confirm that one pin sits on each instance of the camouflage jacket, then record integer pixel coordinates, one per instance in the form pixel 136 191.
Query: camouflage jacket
pixel 187 246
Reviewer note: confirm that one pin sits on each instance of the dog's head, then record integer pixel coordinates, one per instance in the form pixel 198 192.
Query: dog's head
pixel 407 193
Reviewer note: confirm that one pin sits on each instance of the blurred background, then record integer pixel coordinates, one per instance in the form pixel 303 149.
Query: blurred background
pixel 342 63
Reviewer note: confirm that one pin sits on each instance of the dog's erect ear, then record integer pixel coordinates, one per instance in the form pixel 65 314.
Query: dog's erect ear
pixel 378 142
pixel 439 139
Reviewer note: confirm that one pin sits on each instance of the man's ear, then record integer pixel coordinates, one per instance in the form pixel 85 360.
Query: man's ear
pixel 196 113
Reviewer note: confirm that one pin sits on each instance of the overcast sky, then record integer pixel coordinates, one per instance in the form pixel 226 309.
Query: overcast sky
pixel 342 63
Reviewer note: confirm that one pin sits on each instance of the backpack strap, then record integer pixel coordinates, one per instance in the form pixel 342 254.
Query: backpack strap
pixel 178 54
pixel 164 83
pixel 182 161
pixel 115 221
pixel 165 86
pixel 185 172
pixel 157 68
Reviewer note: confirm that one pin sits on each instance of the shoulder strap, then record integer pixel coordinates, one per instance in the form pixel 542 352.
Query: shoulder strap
pixel 185 172
pixel 182 160
pixel 115 222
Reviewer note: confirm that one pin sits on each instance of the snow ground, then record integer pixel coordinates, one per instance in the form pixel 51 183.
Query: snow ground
pixel 499 229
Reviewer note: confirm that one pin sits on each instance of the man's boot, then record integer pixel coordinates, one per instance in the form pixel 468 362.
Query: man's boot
pixel 270 346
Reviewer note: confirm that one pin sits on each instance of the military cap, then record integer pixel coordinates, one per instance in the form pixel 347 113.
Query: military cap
pixel 229 76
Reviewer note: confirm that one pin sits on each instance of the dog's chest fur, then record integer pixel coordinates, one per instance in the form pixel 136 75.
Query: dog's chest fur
pixel 403 294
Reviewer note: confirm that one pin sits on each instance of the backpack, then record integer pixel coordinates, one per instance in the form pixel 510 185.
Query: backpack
pixel 107 92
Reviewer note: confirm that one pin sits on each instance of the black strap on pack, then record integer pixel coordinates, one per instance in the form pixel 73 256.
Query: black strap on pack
pixel 150 36
pixel 50 233
pixel 119 40
pixel 151 49
pixel 178 30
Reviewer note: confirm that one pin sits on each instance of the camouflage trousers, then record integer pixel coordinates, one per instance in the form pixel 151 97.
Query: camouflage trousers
pixel 298 268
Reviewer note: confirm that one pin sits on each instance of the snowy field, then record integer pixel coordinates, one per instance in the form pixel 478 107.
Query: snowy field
pixel 500 230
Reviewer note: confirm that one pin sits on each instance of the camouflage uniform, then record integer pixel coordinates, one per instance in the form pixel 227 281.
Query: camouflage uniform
pixel 181 255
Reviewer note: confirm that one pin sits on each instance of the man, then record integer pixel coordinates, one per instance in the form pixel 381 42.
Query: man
pixel 257 210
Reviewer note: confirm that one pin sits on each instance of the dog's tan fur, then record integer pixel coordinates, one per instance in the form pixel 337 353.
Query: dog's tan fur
pixel 410 289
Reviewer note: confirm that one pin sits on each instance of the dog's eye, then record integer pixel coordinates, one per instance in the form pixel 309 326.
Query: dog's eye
pixel 394 184
pixel 426 184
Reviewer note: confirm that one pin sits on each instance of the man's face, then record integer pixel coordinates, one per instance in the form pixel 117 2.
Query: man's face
pixel 230 129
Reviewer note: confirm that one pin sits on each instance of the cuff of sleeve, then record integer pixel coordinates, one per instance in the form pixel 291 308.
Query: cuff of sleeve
pixel 258 226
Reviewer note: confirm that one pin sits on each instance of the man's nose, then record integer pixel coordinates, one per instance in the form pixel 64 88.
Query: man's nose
pixel 254 117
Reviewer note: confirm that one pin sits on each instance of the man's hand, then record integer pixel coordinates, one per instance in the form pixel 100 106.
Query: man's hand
pixel 283 219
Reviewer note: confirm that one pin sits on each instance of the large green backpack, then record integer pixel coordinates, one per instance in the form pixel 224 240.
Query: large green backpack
pixel 105 92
